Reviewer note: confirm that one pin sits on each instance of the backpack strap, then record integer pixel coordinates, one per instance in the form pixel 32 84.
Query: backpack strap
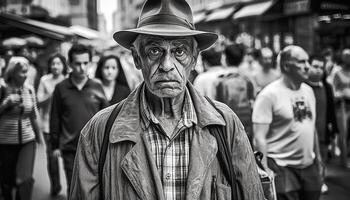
pixel 104 146
pixel 224 154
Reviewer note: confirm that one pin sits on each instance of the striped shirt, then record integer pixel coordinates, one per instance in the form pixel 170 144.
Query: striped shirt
pixel 171 155
pixel 19 116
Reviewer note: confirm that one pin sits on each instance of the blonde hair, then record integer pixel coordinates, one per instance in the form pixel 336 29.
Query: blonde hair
pixel 15 63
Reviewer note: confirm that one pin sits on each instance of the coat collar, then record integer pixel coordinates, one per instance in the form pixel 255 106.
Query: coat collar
pixel 127 125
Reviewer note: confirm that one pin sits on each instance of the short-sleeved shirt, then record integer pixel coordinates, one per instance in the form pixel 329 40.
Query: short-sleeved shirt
pixel 71 109
pixel 291 116
pixel 45 90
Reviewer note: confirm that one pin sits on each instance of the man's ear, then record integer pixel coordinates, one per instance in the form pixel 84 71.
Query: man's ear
pixel 136 57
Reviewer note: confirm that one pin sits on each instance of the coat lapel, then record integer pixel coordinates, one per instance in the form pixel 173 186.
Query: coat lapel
pixel 203 152
pixel 140 169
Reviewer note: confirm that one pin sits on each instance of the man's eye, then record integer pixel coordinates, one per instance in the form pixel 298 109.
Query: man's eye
pixel 154 51
pixel 179 52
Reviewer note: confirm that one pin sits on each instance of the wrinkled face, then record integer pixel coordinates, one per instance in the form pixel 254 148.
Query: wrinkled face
pixel 80 64
pixel 56 66
pixel 110 70
pixel 316 70
pixel 165 63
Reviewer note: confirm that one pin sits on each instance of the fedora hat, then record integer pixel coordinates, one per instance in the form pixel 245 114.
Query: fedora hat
pixel 172 18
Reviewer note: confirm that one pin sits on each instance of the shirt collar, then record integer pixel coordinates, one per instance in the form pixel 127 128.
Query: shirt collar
pixel 188 116
pixel 128 124
pixel 71 85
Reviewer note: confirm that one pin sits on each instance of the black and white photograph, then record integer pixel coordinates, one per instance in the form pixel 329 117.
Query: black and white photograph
pixel 174 99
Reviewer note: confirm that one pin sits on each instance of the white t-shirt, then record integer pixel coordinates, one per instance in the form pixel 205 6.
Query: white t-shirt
pixel 291 116
pixel 206 82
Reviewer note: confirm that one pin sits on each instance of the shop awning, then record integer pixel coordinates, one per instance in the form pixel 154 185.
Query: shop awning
pixel 253 10
pixel 84 32
pixel 41 28
pixel 220 14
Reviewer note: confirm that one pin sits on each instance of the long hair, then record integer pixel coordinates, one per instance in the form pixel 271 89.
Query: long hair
pixel 62 59
pixel 120 79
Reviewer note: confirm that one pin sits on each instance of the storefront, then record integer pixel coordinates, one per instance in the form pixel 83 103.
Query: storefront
pixel 312 24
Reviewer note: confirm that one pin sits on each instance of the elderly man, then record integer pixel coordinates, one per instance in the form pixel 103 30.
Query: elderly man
pixel 159 145
pixel 284 129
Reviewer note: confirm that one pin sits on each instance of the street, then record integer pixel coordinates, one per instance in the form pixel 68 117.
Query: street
pixel 42 183
pixel 337 180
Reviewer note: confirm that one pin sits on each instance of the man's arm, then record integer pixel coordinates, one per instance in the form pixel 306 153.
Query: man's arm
pixel 55 119
pixel 260 144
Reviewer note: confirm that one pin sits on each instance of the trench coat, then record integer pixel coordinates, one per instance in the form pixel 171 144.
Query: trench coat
pixel 130 172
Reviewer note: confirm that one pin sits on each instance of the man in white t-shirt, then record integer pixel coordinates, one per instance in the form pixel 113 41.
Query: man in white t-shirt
pixel 206 82
pixel 284 128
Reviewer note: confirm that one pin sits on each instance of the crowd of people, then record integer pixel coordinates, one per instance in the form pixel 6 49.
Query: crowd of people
pixel 287 104
pixel 279 98
pixel 54 111
pixel 257 85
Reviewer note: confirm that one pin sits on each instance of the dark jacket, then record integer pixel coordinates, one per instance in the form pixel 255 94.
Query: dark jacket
pixel 330 113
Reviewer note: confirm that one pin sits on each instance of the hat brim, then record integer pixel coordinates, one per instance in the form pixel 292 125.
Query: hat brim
pixel 126 37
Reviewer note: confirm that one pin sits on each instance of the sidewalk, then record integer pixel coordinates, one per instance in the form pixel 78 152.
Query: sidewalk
pixel 338 181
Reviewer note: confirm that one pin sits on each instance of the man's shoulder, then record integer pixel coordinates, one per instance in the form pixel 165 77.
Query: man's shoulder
pixel 95 81
pixel 63 83
pixel 98 121
pixel 273 88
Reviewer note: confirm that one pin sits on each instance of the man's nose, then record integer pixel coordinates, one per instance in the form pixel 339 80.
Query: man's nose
pixel 307 66
pixel 167 63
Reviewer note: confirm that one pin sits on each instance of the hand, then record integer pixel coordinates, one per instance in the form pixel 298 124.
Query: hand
pixel 13 100
pixel 56 153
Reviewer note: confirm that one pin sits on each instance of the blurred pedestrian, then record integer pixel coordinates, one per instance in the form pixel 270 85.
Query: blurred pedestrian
pixel 284 129
pixel 235 89
pixel 265 73
pixel 112 76
pixel 75 100
pixel 326 124
pixel 19 129
pixel 160 146
pixel 57 71
pixel 331 66
pixel 206 82
pixel 249 65
pixel 341 86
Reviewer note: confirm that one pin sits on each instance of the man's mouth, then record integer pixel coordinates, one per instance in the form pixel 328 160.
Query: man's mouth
pixel 167 81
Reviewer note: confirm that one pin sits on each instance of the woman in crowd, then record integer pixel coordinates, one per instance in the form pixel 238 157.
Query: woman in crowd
pixel 57 71
pixel 19 129
pixel 112 76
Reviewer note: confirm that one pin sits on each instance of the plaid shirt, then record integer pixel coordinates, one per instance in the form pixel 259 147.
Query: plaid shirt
pixel 171 155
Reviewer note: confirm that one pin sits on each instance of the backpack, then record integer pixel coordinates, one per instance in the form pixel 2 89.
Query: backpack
pixel 237 92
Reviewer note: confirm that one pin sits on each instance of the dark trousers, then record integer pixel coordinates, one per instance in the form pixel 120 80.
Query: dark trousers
pixel 52 165
pixel 68 161
pixel 296 184
pixel 16 170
